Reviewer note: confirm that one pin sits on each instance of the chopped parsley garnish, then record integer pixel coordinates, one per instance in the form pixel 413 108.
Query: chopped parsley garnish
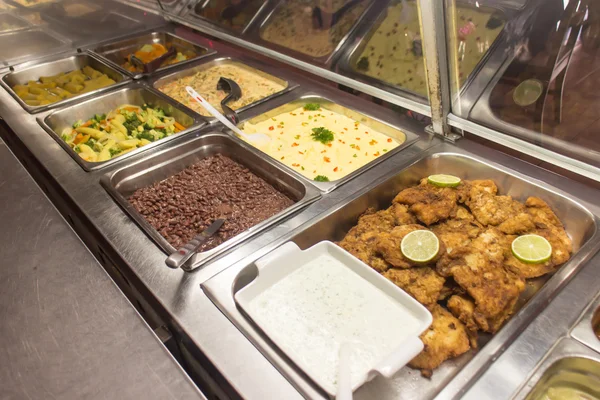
pixel 297 137
pixel 355 156
pixel 312 106
pixel 321 178
pixel 322 135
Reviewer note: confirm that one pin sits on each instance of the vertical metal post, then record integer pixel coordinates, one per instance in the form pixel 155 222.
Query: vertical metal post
pixel 431 13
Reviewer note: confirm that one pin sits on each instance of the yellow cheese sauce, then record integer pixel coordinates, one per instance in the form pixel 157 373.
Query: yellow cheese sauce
pixel 353 144
pixel 254 87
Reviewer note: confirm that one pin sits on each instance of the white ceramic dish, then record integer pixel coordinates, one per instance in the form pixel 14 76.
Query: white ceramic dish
pixel 311 302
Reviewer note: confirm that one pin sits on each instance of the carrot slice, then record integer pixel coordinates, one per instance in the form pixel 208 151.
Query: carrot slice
pixel 179 126
pixel 87 123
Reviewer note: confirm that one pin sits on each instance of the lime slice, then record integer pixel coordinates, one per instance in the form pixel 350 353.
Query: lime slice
pixel 528 92
pixel 532 249
pixel 420 246
pixel 442 180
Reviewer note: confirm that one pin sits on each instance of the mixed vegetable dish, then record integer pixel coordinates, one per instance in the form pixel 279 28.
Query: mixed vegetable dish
pixel 105 136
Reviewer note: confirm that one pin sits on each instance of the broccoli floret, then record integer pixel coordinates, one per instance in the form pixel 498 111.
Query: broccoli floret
pixel 114 152
pixel 145 107
pixel 91 142
pixel 159 111
pixel 321 178
pixel 65 137
pixel 148 127
pixel 77 149
pixel 77 124
pixel 131 123
pixel 100 117
pixel 146 135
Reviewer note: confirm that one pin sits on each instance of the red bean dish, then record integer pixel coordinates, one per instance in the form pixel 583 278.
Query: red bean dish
pixel 185 204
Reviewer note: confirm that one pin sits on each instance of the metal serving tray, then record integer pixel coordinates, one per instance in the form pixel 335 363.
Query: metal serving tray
pixel 135 94
pixel 123 182
pixel 580 224
pixel 570 364
pixel 204 3
pixel 13 20
pixel 27 44
pixel 587 330
pixel 365 33
pixel 37 6
pixel 117 52
pixel 247 65
pixel 344 108
pixel 55 67
pixel 325 60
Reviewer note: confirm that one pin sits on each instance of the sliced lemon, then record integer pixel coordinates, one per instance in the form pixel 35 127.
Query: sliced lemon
pixel 532 249
pixel 442 180
pixel 420 246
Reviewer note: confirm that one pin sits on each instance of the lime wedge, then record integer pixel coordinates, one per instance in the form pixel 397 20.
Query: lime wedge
pixel 442 180
pixel 420 246
pixel 531 249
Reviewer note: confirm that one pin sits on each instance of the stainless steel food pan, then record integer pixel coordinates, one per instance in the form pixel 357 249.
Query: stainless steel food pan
pixel 13 22
pixel 134 94
pixel 55 67
pixel 325 60
pixel 587 330
pixel 569 364
pixel 122 183
pixel 28 44
pixel 580 224
pixel 243 64
pixel 347 64
pixel 117 52
pixel 404 138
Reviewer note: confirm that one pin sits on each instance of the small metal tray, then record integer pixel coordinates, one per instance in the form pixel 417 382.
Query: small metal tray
pixel 204 3
pixel 13 20
pixel 580 224
pixel 587 330
pixel 55 67
pixel 364 34
pixel 404 138
pixel 135 94
pixel 117 52
pixel 123 182
pixel 569 363
pixel 325 60
pixel 27 44
pixel 37 6
pixel 254 67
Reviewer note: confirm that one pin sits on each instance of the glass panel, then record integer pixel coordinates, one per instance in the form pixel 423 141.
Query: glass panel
pixel 371 41
pixel 538 71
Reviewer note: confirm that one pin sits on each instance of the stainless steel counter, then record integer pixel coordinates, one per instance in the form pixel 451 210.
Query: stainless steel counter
pixel 206 336
pixel 67 331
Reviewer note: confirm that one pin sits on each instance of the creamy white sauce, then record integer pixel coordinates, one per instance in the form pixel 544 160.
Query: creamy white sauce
pixel 323 304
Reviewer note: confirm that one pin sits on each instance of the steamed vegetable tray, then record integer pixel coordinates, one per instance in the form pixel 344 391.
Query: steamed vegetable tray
pixel 105 136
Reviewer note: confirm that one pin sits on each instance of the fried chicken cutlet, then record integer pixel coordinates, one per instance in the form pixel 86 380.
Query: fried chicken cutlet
pixel 388 245
pixel 429 203
pixel 361 240
pixel 478 268
pixel 446 338
pixel 457 231
pixel 422 283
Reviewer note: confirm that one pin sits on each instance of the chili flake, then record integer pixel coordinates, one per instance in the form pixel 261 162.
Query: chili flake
pixel 335 169
pixel 295 165
pixel 295 144
pixel 373 142
pixel 389 140
pixel 377 154
pixel 271 128
pixel 326 159
pixel 357 138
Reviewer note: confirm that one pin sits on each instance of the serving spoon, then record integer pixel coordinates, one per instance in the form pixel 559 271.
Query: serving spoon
pixel 256 138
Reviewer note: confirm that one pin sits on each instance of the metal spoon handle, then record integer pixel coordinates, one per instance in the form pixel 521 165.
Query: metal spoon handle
pixel 181 256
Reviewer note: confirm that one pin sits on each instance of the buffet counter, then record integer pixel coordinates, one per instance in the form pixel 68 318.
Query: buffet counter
pixel 68 331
